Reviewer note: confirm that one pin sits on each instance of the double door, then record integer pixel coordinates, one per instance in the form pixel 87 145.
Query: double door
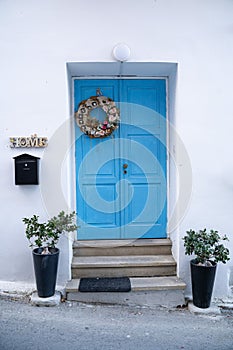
pixel 121 186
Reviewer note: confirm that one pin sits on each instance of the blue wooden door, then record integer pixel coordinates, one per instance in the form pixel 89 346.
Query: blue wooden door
pixel 121 186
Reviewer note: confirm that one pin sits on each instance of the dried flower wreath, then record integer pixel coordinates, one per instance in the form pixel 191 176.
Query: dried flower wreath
pixel 92 126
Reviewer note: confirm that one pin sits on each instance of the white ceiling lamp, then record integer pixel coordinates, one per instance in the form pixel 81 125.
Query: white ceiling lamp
pixel 121 52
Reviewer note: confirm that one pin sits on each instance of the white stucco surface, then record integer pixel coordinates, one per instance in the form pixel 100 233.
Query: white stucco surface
pixel 38 39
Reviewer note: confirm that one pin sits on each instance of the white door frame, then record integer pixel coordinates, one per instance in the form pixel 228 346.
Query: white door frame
pixel 129 70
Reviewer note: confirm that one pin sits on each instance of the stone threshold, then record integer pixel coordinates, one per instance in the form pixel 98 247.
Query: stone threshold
pixel 141 283
pixel 166 291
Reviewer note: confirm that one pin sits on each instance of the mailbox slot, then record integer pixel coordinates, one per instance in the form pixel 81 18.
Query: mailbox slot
pixel 26 170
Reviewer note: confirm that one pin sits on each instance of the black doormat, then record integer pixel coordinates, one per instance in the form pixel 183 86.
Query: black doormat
pixel 116 284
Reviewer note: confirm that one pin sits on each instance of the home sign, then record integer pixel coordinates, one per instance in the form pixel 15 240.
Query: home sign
pixel 28 142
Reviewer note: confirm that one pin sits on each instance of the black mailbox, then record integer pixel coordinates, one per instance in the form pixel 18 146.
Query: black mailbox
pixel 26 170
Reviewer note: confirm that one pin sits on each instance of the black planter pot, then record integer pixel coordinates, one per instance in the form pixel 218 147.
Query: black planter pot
pixel 45 267
pixel 202 283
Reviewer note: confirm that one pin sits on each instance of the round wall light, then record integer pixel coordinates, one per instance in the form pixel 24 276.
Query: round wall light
pixel 121 52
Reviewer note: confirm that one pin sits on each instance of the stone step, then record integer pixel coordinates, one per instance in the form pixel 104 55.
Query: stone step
pixel 140 283
pixel 145 291
pixel 157 283
pixel 122 247
pixel 123 266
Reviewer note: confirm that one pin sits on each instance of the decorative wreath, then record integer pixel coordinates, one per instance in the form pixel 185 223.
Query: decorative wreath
pixel 92 126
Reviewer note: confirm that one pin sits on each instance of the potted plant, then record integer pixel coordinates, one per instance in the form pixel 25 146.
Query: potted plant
pixel 45 236
pixel 209 250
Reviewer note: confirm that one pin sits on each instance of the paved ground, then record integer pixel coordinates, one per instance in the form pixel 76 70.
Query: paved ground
pixel 79 326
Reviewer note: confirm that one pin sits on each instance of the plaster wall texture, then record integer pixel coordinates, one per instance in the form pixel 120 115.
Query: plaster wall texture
pixel 37 39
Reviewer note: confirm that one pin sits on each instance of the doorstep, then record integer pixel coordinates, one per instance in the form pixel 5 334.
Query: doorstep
pixel 167 291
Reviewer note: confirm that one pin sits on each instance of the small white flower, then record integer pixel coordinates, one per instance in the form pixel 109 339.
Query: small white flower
pixel 112 118
pixel 105 108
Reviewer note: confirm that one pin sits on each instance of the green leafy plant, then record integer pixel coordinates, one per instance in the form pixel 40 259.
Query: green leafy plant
pixel 48 233
pixel 206 246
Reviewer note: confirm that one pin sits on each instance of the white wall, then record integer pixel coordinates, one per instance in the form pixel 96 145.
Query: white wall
pixel 38 38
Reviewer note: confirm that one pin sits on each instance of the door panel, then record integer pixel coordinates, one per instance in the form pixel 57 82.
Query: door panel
pixel 147 129
pixel 114 202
